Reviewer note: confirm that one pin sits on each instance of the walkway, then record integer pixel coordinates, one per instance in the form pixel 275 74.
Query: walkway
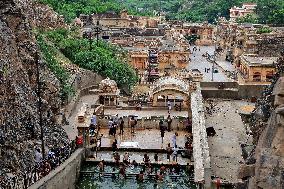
pixel 146 113
pixel 200 63
pixel 147 139
pixel 138 157
pixel 225 150
pixel 71 129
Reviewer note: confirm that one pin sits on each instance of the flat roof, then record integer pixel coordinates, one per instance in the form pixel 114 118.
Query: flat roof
pixel 260 61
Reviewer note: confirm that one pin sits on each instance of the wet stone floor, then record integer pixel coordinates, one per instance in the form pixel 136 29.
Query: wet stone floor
pixel 147 139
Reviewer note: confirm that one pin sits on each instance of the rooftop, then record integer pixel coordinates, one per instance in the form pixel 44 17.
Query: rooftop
pixel 260 61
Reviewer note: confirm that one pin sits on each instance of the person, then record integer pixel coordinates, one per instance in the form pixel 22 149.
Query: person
pixel 122 170
pixel 38 158
pixel 110 126
pixel 169 121
pixel 146 159
pixel 114 128
pixel 187 168
pixel 169 107
pixel 116 158
pixel 134 163
pixel 133 123
pixel 177 169
pixel 169 151
pixel 218 183
pixel 140 176
pixel 156 157
pixel 121 126
pixel 94 120
pixel 162 169
pixel 162 130
pixel 175 153
pixel 174 139
pixel 126 158
pixel 114 145
pixel 102 166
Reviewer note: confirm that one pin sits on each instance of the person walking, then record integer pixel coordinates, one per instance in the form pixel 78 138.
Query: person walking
pixel 175 153
pixel 174 140
pixel 114 145
pixel 169 151
pixel 162 130
pixel 110 126
pixel 133 123
pixel 169 107
pixel 169 121
pixel 121 126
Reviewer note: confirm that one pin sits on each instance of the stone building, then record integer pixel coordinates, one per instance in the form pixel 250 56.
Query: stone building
pixel 204 31
pixel 237 12
pixel 257 69
pixel 173 90
pixel 122 20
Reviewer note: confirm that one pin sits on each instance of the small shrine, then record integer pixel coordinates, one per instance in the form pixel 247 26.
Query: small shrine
pixel 108 92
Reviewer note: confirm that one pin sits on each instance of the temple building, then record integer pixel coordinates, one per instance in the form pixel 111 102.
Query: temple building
pixel 122 20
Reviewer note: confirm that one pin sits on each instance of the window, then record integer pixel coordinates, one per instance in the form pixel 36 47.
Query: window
pixel 269 76
pixel 256 76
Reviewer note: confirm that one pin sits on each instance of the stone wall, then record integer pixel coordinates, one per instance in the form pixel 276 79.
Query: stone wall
pixel 231 90
pixel 19 117
pixel 65 176
pixel 145 123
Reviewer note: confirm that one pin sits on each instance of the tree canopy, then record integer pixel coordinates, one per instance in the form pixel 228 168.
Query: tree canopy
pixel 270 12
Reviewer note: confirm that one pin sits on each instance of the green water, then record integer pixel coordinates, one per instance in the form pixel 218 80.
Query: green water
pixel 95 181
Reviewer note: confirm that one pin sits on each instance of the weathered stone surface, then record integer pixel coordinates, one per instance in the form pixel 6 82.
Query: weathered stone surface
pixel 246 171
pixel 269 152
pixel 19 128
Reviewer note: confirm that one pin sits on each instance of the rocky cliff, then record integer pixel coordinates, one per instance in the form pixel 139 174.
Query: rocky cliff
pixel 265 166
pixel 19 128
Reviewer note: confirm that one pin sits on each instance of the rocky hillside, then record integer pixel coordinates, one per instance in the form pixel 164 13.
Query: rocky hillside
pixel 265 166
pixel 19 128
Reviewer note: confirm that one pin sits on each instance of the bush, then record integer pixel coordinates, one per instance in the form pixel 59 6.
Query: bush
pixel 105 59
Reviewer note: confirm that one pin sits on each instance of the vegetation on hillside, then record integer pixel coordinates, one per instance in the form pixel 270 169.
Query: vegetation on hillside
pixel 103 58
pixel 49 55
pixel 270 12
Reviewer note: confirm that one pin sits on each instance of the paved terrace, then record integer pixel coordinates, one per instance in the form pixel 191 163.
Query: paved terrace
pixel 147 139
pixel 225 150
pixel 138 157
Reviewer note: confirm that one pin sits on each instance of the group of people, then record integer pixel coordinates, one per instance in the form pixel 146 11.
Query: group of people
pixel 147 168
pixel 115 123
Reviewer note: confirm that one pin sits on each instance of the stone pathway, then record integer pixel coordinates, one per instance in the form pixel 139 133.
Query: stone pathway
pixel 147 139
pixel 200 63
pixel 71 129
pixel 145 113
pixel 138 157
pixel 225 150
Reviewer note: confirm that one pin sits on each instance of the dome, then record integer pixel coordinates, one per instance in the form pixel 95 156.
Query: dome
pixel 108 86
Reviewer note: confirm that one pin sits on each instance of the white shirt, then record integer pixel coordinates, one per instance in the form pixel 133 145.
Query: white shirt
pixel 38 157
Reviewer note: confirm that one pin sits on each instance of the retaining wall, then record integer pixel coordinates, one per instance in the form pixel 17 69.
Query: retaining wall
pixel 231 90
pixel 64 176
